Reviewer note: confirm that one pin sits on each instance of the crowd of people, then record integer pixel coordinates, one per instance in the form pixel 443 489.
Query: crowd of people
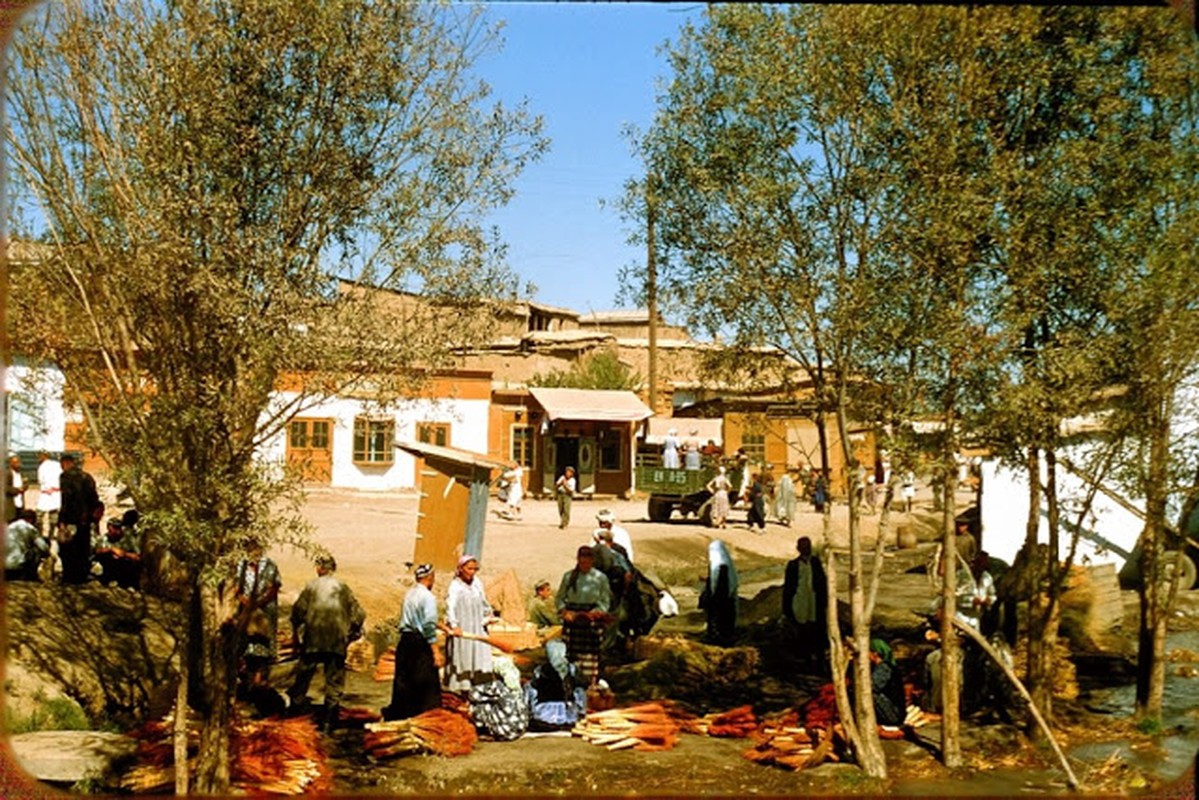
pixel 599 607
pixel 61 537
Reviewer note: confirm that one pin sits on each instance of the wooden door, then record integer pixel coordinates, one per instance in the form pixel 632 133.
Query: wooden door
pixel 587 464
pixel 441 518
pixel 310 449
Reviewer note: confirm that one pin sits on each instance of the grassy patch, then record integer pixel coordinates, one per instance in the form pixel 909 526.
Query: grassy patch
pixel 53 714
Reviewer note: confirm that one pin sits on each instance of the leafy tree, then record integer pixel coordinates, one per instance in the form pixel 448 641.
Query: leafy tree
pixel 767 208
pixel 195 174
pixel 1153 308
pixel 601 370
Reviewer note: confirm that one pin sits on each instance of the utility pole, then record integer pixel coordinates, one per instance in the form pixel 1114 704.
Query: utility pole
pixel 651 289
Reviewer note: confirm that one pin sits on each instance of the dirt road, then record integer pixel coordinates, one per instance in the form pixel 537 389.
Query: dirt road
pixel 372 537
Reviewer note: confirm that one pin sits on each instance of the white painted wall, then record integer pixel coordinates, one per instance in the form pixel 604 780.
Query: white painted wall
pixel 1107 529
pixel 468 431
pixel 36 417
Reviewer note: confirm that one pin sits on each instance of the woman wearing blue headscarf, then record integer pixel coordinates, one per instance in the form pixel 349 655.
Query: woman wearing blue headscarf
pixel 719 597
pixel 556 696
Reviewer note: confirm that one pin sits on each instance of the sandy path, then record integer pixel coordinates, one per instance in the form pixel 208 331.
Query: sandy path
pixel 372 537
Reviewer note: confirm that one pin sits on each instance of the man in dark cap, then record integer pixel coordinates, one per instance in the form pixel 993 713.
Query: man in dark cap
pixel 80 504
pixel 584 600
pixel 416 687
pixel 324 620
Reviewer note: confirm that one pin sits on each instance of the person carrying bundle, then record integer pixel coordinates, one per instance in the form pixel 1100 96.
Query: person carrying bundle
pixel 325 619
pixel 584 600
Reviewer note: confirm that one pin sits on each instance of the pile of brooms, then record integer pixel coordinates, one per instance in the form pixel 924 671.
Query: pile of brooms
pixel 439 731
pixel 649 726
pixel 270 756
pixel 784 742
pixel 780 740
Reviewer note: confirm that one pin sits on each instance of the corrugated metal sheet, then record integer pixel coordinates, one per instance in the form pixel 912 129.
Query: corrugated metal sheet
pixel 454 454
pixel 591 404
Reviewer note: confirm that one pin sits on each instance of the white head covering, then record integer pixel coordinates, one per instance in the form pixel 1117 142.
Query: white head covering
pixel 719 556
pixel 555 652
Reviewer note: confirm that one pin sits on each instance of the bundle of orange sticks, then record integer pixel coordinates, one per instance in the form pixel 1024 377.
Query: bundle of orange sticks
pixel 783 741
pixel 649 726
pixel 438 731
pixel 385 669
pixel 270 756
pixel 736 723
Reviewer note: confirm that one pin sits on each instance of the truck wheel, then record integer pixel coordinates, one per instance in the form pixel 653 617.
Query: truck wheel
pixel 705 514
pixel 659 510
pixel 1187 576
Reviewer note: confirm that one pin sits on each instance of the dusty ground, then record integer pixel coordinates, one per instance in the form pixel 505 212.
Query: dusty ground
pixel 372 536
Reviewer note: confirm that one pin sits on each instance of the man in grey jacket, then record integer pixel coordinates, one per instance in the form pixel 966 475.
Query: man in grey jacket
pixel 324 620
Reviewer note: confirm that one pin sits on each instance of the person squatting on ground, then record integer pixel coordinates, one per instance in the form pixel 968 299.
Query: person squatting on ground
pixel 719 596
pixel 886 684
pixel 543 612
pixel 119 557
pixel 324 620
pixel 468 661
pixel 556 695
pixel 79 505
pixel 416 687
pixel 805 601
pixel 584 599
pixel 564 491
pixel 25 547
pixel 719 487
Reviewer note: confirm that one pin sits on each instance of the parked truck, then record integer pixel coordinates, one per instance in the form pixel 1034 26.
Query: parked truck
pixel 684 490
pixel 1109 533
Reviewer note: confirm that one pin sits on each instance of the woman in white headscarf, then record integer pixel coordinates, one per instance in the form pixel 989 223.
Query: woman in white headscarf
pixel 468 661
pixel 670 450
pixel 719 597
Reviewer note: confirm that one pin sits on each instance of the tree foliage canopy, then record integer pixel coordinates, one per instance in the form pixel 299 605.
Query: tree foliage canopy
pixel 196 174
pixel 192 178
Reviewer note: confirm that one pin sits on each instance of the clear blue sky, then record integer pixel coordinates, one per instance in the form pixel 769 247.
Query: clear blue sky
pixel 589 70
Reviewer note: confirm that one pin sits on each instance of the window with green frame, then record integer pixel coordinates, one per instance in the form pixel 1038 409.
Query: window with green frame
pixel 374 440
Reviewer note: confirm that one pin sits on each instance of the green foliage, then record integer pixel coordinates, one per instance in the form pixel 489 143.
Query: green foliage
pixel 201 190
pixel 979 216
pixel 1151 726
pixel 602 370
pixel 50 714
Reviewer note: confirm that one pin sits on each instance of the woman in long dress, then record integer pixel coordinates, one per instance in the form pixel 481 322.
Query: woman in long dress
pixel 719 486
pixel 468 662
pixel 670 450
pixel 719 598
pixel 784 499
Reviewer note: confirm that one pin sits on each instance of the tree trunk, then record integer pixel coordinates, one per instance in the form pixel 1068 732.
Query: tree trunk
pixel 218 666
pixel 868 748
pixel 181 767
pixel 951 664
pixel 1151 633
